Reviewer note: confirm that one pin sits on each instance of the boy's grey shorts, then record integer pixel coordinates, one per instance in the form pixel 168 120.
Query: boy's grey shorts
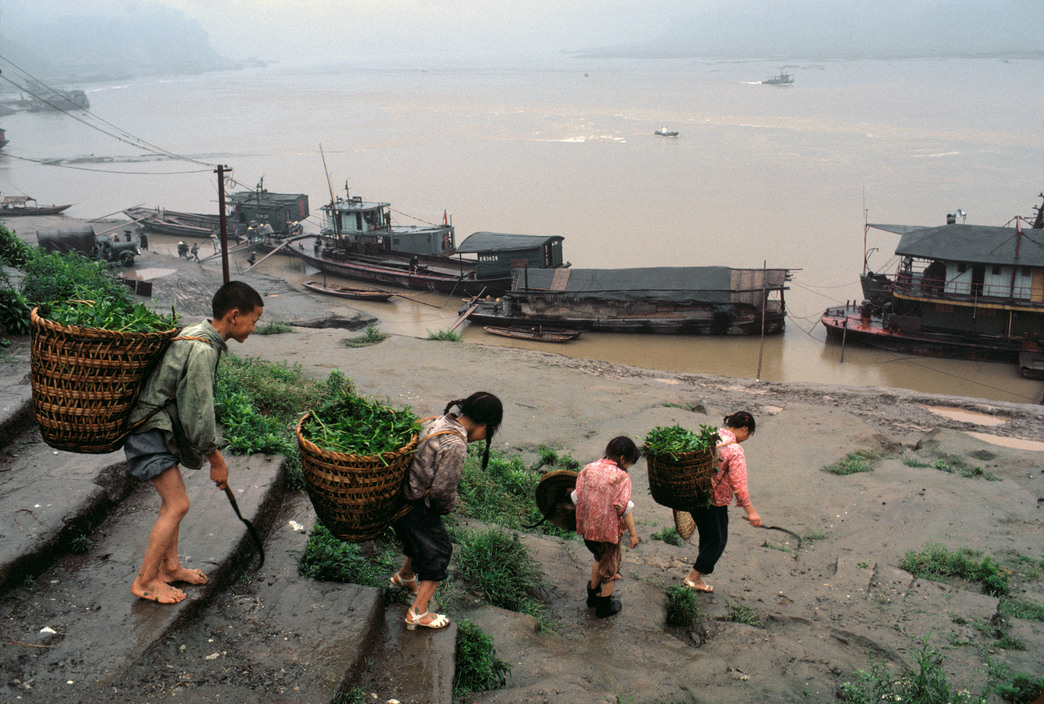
pixel 147 455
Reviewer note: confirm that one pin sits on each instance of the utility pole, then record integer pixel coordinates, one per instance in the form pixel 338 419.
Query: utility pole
pixel 220 171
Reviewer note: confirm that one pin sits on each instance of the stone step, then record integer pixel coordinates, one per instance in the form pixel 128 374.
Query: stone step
pixel 48 498
pixel 273 636
pixel 71 633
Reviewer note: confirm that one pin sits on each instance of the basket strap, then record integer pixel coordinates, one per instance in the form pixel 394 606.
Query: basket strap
pixel 157 409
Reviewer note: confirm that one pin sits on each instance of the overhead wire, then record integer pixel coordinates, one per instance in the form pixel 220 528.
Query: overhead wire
pixel 120 134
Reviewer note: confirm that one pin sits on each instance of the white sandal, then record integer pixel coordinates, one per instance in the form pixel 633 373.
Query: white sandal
pixel 409 585
pixel 413 619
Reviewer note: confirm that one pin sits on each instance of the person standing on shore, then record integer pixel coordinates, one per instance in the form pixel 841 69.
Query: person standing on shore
pixel 431 487
pixel 176 409
pixel 730 480
pixel 603 511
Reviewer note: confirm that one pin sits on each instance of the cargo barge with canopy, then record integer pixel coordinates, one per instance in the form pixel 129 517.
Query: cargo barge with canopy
pixel 704 300
pixel 958 290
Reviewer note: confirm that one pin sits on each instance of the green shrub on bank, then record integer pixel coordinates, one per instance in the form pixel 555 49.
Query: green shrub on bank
pixel 925 684
pixel 14 251
pixel 938 564
pixel 853 463
pixel 670 536
pixel 330 559
pixel 445 335
pixel 371 336
pixel 477 668
pixel 497 564
pixel 682 606
pixel 273 327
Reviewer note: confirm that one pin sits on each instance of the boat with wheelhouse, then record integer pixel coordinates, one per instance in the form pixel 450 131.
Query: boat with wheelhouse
pixel 958 290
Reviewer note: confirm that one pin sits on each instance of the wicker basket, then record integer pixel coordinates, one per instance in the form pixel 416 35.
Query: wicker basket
pixel 681 481
pixel 85 382
pixel 355 496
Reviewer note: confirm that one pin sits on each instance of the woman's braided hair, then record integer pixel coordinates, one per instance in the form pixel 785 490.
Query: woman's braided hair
pixel 481 407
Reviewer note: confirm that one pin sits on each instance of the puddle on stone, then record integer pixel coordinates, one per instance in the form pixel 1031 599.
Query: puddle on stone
pixel 1013 443
pixel 965 416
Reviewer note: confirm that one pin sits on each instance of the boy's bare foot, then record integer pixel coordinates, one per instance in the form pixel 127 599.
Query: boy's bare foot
pixel 183 574
pixel 160 592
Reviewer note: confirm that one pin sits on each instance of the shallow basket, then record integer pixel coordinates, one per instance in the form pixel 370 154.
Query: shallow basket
pixel 552 498
pixel 681 481
pixel 85 381
pixel 355 496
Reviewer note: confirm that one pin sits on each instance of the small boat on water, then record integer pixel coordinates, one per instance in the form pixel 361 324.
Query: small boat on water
pixel 664 132
pixel 15 206
pixel 536 334
pixel 960 291
pixel 780 79
pixel 175 223
pixel 3 139
pixel 348 292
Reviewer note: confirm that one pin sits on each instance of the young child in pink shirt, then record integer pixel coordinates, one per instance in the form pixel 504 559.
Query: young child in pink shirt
pixel 603 512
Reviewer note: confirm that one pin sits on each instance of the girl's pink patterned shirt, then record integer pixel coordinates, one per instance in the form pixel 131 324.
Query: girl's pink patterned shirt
pixel 731 477
pixel 602 493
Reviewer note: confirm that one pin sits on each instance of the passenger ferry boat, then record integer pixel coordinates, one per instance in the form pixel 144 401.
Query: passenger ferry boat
pixel 962 291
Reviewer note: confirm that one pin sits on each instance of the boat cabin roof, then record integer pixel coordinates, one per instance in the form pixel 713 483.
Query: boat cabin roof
pixel 977 244
pixel 481 242
pixel 265 198
pixel 356 203
pixel 664 283
pixel 17 200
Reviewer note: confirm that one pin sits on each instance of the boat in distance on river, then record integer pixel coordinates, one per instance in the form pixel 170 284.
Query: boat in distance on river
pixel 961 291
pixel 19 206
pixel 714 300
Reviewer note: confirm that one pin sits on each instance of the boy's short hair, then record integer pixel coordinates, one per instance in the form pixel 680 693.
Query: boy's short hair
pixel 235 295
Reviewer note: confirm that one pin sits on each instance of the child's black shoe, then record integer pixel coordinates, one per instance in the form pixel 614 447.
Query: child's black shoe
pixel 592 595
pixel 606 606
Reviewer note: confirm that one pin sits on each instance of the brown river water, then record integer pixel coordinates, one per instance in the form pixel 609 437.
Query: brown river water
pixel 783 176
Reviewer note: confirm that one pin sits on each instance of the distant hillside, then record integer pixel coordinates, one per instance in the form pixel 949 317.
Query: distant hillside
pixel 806 29
pixel 137 41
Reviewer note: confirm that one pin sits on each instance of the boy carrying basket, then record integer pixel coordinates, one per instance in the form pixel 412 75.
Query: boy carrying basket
pixel 183 432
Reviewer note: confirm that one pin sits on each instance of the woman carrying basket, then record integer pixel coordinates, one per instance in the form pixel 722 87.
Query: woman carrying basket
pixel 712 522
pixel 431 487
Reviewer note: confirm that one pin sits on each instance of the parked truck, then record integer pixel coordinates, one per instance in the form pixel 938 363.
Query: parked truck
pixel 83 240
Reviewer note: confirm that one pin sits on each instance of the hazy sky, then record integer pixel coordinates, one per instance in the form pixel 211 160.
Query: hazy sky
pixel 372 29
pixel 437 32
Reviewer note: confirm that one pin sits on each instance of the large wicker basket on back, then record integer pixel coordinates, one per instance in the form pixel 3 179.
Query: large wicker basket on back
pixel 355 496
pixel 85 382
pixel 681 481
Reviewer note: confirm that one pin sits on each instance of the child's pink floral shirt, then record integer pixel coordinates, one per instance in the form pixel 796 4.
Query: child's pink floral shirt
pixel 731 477
pixel 602 493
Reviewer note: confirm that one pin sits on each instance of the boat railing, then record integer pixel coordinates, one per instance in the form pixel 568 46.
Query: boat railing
pixel 919 286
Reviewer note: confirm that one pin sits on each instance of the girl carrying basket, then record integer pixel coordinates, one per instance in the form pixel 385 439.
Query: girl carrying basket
pixel 431 486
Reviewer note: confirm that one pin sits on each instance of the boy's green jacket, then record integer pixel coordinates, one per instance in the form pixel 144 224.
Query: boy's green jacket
pixel 186 373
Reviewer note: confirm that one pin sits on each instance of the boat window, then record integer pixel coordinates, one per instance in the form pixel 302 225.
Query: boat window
pixel 962 267
pixel 996 270
pixel 1026 271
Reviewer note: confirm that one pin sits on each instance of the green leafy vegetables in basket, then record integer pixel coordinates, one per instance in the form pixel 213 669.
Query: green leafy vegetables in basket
pixel 675 440
pixel 111 314
pixel 358 426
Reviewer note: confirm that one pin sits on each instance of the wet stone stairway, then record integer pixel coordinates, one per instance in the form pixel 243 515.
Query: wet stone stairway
pixel 73 529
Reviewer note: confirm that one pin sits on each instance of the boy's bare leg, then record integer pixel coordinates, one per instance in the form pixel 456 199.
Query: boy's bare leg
pixel 173 507
pixel 171 570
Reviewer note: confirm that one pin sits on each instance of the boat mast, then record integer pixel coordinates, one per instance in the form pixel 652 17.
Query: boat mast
pixel 333 204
